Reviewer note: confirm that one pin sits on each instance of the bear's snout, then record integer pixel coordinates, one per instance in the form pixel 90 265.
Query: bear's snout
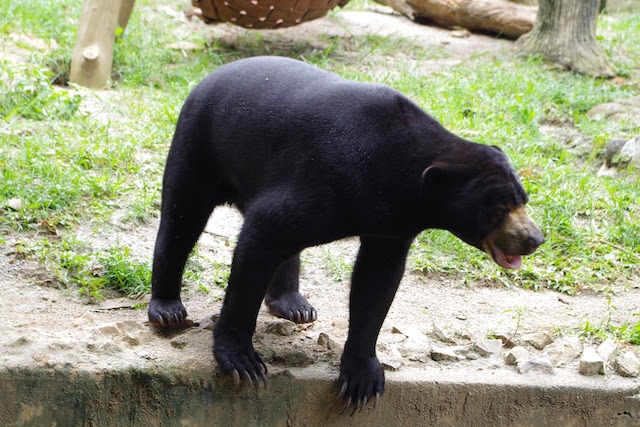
pixel 516 236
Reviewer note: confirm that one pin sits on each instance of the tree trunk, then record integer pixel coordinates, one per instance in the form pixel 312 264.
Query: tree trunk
pixel 565 33
pixel 494 16
pixel 93 52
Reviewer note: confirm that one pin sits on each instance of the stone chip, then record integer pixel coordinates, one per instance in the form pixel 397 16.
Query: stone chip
pixel 540 364
pixel 627 365
pixel 591 363
pixel 486 347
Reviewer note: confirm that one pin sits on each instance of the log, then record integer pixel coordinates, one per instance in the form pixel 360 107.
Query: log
pixel 93 52
pixel 500 17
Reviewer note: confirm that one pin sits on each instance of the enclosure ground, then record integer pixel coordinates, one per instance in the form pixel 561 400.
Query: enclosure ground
pixel 66 362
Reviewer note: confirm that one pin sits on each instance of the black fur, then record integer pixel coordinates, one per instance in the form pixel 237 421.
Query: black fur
pixel 309 158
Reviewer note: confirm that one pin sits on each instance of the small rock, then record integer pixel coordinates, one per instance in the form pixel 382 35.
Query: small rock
pixel 292 357
pixel 590 362
pixel 613 149
pixel 208 323
pixel 131 338
pixel 628 108
pixel 129 326
pixel 15 204
pixel 468 351
pixel 178 342
pixel 631 151
pixel 109 329
pixel 563 350
pixel 85 320
pixel 408 331
pixel 391 359
pixel 464 334
pixel 627 365
pixel 326 342
pixel 516 355
pixel 538 340
pixel 506 338
pixel 607 349
pixel 606 110
pixel 281 327
pixel 540 364
pixel 417 346
pixel 20 342
pixel 441 335
pixel 444 354
pixel 416 349
pixel 487 347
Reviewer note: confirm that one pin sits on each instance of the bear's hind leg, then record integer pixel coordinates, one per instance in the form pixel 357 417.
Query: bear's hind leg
pixel 191 190
pixel 283 297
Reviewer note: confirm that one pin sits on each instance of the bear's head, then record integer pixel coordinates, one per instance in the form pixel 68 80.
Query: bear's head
pixel 478 196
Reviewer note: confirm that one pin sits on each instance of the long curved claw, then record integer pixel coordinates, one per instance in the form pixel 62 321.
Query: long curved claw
pixel 346 405
pixel 236 377
pixel 247 377
pixel 342 390
pixel 264 377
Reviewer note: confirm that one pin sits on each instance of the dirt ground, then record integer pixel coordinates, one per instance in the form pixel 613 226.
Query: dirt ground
pixel 44 326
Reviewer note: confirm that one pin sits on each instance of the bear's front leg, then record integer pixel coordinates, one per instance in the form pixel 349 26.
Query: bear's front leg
pixel 251 271
pixel 376 275
pixel 275 229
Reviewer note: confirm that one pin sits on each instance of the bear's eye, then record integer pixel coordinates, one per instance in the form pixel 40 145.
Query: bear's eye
pixel 502 212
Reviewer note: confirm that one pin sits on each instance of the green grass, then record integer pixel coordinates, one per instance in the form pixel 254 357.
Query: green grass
pixel 628 331
pixel 68 168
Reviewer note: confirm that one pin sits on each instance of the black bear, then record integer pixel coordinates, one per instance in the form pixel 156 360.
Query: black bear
pixel 308 158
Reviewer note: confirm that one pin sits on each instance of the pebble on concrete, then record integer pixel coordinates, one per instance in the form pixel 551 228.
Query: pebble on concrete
pixel 441 335
pixel 540 364
pixel 391 359
pixel 440 354
pixel 627 365
pixel 516 355
pixel 591 363
pixel 486 347
pixel 563 350
pixel 607 349
pixel 537 340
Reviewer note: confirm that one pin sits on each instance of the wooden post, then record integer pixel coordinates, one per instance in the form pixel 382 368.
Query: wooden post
pixel 93 52
pixel 125 12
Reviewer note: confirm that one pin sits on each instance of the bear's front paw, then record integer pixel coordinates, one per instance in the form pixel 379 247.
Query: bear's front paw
pixel 239 360
pixel 360 379
pixel 168 313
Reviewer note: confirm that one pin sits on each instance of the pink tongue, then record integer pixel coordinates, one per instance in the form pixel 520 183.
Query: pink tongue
pixel 506 261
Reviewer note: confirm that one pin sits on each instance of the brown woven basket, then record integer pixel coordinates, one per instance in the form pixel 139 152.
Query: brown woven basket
pixel 264 14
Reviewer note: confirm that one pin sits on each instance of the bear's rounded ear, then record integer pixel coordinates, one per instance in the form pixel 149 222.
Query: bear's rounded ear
pixel 445 170
pixel 433 172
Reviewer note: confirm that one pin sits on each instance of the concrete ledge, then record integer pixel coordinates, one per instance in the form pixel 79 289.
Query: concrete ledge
pixel 194 396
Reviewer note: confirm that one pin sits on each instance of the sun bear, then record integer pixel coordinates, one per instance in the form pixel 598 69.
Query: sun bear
pixel 308 158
